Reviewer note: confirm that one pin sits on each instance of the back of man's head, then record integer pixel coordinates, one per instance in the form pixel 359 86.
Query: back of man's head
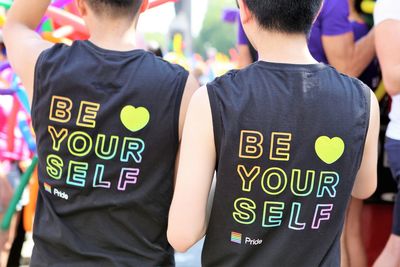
pixel 285 16
pixel 116 8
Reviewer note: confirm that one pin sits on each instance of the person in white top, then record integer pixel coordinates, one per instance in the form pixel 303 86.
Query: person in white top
pixel 387 33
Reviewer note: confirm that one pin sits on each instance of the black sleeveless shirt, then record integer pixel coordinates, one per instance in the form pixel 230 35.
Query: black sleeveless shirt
pixel 289 141
pixel 106 124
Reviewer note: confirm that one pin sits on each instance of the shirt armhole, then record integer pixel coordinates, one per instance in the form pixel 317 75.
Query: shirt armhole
pixel 366 92
pixel 216 120
pixel 36 84
pixel 178 102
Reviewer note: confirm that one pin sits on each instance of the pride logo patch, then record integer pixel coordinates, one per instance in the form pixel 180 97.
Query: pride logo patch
pixel 47 187
pixel 236 238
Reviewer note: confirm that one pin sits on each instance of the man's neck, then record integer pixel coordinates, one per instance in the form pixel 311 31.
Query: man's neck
pixel 283 48
pixel 115 35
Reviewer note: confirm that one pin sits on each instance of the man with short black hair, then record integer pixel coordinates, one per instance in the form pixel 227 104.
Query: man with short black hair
pixel 291 141
pixel 108 119
pixel 116 7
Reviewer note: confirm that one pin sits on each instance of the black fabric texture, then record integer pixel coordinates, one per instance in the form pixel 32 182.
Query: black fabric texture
pixel 289 141
pixel 106 124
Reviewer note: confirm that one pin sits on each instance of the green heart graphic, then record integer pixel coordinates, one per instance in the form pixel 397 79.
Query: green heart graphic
pixel 329 150
pixel 135 119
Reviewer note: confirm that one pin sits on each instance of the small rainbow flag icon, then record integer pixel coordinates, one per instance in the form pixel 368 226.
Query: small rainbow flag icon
pixel 236 238
pixel 47 187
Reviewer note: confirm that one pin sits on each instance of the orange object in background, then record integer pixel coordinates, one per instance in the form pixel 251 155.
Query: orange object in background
pixel 63 17
pixel 71 8
pixel 29 210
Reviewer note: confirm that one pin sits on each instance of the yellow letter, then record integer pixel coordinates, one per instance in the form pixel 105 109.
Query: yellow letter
pixel 248 176
pixel 280 146
pixel 60 109
pixel 57 137
pixel 251 144
pixel 87 114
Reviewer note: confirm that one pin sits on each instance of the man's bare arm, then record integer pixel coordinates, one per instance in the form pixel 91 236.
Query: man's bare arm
pixel 191 86
pixel 23 44
pixel 387 45
pixel 366 180
pixel 188 213
pixel 348 56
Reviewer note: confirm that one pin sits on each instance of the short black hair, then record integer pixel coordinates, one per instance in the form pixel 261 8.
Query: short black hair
pixel 116 7
pixel 286 16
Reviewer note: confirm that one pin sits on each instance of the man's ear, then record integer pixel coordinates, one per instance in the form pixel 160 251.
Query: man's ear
pixel 245 14
pixel 82 7
pixel 144 6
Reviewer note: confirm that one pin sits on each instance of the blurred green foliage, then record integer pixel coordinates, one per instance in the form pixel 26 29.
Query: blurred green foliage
pixel 215 32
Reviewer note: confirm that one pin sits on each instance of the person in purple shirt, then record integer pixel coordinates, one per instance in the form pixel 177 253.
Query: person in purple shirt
pixel 352 246
pixel 332 40
pixel 347 44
